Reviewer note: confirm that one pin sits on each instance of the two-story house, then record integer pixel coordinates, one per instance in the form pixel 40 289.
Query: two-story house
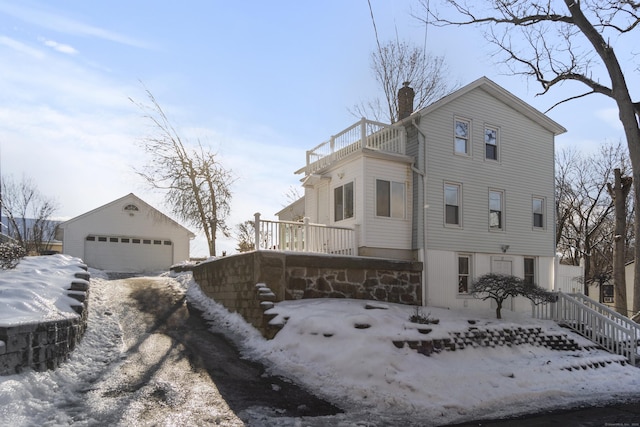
pixel 465 185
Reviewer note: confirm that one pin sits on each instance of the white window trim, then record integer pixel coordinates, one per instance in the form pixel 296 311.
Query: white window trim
pixel 535 268
pixel 544 213
pixel 503 215
pixel 404 199
pixel 498 144
pixel 469 136
pixel 333 199
pixel 470 275
pixel 460 205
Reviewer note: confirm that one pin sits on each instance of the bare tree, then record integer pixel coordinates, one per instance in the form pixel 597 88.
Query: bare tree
pixel 197 187
pixel 585 211
pixel 397 62
pixel 561 41
pixel 246 236
pixel 28 214
pixel 619 193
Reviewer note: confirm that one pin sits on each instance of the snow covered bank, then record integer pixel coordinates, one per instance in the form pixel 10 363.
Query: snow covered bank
pixel 361 370
pixel 38 290
pixel 42 312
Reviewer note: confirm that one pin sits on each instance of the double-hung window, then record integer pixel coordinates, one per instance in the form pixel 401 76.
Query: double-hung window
pixel 491 143
pixel 538 212
pixel 496 210
pixel 390 199
pixel 452 204
pixel 464 273
pixel 462 136
pixel 343 202
pixel 530 270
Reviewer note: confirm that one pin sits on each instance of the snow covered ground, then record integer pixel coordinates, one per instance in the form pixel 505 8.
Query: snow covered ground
pixel 360 370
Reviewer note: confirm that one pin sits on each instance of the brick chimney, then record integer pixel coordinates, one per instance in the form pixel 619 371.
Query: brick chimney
pixel 405 101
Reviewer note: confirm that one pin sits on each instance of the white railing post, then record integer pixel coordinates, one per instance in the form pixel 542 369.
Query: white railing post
pixel 256 227
pixel 363 132
pixel 307 235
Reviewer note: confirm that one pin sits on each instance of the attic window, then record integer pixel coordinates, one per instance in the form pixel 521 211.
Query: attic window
pixel 131 208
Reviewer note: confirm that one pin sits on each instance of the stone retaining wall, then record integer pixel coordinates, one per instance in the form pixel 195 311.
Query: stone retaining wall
pixel 475 337
pixel 247 283
pixel 44 345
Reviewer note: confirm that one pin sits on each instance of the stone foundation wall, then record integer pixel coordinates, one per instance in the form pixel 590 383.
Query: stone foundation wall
pixel 44 345
pixel 249 283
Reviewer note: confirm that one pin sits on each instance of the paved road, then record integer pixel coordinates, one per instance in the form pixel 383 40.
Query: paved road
pixel 620 415
pixel 173 371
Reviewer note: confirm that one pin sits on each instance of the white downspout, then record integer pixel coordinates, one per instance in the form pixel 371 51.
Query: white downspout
pixel 423 173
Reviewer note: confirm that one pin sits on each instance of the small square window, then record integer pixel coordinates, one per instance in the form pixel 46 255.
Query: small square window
pixel 167 242
pixel 91 238
pixel 135 240
pixel 124 240
pixel 390 199
pixel 157 242
pixel 113 239
pixel 102 239
pixel 146 242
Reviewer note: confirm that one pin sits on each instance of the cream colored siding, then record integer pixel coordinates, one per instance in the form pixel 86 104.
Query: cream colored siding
pixel 524 169
pixel 383 232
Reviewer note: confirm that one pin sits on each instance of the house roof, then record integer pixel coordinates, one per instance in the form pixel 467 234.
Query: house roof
pixel 499 93
pixel 136 200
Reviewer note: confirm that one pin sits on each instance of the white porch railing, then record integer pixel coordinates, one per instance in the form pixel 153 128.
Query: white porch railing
pixel 595 321
pixel 363 134
pixel 304 237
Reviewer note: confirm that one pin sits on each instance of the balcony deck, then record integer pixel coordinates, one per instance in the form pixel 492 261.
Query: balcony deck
pixel 365 134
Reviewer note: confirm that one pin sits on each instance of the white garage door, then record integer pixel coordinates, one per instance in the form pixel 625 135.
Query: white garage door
pixel 128 254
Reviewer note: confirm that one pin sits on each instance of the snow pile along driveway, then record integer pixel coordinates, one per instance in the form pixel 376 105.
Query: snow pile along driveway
pixel 37 289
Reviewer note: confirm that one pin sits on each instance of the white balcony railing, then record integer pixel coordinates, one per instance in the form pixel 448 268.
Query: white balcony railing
pixel 363 134
pixel 304 237
pixel 595 321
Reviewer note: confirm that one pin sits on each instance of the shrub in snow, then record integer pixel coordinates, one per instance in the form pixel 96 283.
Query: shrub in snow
pixel 499 287
pixel 418 317
pixel 10 255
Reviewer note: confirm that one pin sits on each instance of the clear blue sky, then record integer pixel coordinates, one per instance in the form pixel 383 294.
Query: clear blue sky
pixel 259 82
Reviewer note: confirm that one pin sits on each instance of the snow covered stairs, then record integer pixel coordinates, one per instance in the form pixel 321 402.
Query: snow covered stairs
pixel 492 337
pixel 596 322
pixel 475 337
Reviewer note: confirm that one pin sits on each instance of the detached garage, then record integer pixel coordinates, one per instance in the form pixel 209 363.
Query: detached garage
pixel 126 235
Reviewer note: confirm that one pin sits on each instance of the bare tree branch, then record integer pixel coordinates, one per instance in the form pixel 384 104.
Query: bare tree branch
pixel 196 185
